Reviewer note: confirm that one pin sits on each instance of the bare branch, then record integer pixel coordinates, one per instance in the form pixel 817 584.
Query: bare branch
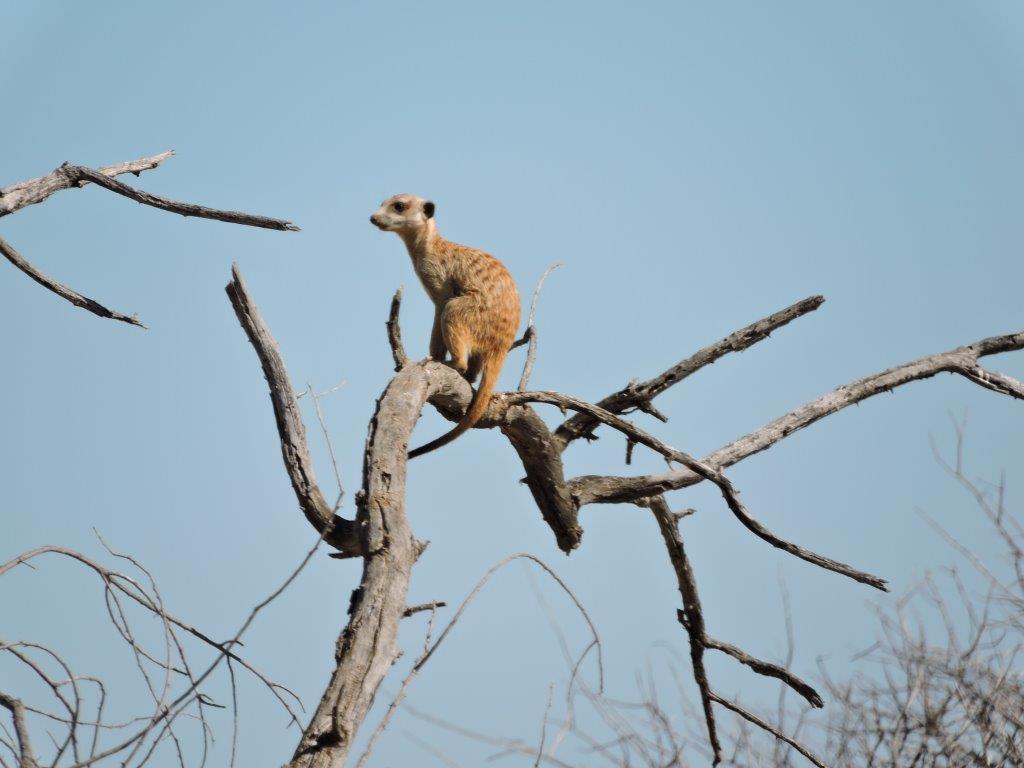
pixel 412 610
pixel 544 727
pixel 79 173
pixel 768 669
pixel 25 755
pixel 545 476
pixel 117 583
pixel 340 533
pixel 24 193
pixel 530 337
pixel 601 489
pixel 704 470
pixel 330 445
pixel 487 577
pixel 691 616
pixel 33 191
pixel 767 727
pixel 395 333
pixel 639 394
pixel 62 290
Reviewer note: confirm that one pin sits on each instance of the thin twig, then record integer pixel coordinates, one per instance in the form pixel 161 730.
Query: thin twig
pixel 330 446
pixel 431 606
pixel 530 337
pixel 62 290
pixel 544 727
pixel 767 727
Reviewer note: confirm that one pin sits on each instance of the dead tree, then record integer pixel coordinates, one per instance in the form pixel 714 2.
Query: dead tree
pixel 380 533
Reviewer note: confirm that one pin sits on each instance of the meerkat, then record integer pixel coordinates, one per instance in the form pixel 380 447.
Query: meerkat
pixel 476 304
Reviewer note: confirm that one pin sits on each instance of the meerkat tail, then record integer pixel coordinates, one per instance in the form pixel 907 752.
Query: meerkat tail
pixel 477 406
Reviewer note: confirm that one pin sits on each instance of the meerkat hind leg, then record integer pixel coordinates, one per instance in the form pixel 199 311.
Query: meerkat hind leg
pixel 457 336
pixel 459 349
pixel 474 367
pixel 438 349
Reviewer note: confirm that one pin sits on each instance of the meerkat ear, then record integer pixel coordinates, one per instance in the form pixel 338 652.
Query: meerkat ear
pixel 428 209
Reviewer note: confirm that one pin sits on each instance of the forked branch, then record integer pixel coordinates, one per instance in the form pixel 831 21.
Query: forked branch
pixel 62 290
pixel 691 616
pixel 593 489
pixel 705 471
pixel 25 193
pixel 638 395
pixel 339 532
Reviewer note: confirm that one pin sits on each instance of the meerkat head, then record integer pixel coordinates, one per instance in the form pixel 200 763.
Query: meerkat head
pixel 404 214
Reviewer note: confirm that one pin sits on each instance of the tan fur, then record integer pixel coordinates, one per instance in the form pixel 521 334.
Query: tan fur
pixel 476 304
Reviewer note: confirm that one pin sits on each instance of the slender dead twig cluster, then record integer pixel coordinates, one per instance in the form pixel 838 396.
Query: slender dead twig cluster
pixel 952 697
pixel 78 702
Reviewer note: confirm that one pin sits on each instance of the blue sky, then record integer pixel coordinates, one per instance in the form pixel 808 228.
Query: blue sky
pixel 695 166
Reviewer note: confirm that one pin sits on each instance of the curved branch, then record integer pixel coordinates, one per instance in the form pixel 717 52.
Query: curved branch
pixel 596 489
pixel 62 290
pixel 771 729
pixel 640 394
pixel 340 533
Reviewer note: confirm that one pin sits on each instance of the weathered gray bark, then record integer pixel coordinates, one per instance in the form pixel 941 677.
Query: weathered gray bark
pixel 26 757
pixel 367 647
pixel 340 533
pixel 32 191
pixel 380 534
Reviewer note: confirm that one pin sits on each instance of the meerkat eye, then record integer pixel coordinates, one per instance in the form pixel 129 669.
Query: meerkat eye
pixel 399 207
